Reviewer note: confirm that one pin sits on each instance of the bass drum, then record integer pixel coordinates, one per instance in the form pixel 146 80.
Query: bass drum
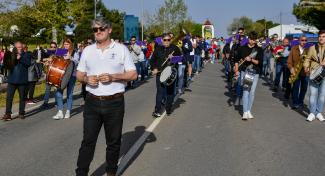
pixel 168 75
pixel 59 73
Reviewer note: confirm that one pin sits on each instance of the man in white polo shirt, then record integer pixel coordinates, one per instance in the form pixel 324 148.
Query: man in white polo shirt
pixel 105 67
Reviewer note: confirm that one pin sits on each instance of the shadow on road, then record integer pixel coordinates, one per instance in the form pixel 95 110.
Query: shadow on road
pixel 128 140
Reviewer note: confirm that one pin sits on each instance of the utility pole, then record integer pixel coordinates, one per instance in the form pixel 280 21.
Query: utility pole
pixel 142 16
pixel 281 25
pixel 95 1
pixel 265 33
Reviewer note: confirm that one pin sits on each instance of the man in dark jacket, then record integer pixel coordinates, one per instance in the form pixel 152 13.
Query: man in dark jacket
pixel 17 79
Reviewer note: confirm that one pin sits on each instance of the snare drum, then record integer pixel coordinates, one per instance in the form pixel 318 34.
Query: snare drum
pixel 248 78
pixel 317 75
pixel 60 71
pixel 168 75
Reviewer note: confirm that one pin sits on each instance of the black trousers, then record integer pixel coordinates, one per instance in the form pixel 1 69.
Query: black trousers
pixel 11 89
pixel 164 93
pixel 29 93
pixel 97 112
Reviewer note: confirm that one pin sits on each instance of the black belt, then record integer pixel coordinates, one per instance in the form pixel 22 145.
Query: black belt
pixel 109 97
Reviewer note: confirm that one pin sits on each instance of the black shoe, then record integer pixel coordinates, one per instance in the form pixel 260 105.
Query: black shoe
pixel 45 106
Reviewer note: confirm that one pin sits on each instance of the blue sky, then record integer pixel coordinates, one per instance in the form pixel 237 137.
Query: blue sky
pixel 220 12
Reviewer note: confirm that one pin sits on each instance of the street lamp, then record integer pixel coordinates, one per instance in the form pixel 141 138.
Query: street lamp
pixel 142 19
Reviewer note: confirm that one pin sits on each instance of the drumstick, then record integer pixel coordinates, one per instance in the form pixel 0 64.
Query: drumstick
pixel 168 58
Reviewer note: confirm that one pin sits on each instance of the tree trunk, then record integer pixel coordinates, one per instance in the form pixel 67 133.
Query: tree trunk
pixel 54 35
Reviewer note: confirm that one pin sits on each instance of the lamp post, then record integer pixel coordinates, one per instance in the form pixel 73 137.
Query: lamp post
pixel 95 14
pixel 142 27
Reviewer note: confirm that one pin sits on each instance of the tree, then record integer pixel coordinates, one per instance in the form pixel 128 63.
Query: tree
pixel 311 12
pixel 167 17
pixel 259 26
pixel 243 21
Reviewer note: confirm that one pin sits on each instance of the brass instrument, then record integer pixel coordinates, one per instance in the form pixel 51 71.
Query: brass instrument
pixel 178 39
pixel 297 69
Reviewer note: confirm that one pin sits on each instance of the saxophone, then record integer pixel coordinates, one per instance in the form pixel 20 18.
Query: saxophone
pixel 297 69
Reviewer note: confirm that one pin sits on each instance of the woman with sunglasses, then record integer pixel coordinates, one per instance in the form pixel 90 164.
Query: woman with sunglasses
pixel 159 56
pixel 73 56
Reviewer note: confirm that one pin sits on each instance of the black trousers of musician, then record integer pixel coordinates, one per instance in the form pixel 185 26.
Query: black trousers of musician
pixel 29 92
pixel 164 92
pixel 108 113
pixel 83 91
pixel 11 89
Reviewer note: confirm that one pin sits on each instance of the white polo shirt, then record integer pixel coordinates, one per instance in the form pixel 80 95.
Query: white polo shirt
pixel 114 59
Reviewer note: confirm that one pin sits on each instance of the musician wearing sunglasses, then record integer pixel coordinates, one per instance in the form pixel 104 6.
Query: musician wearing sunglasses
pixel 105 67
pixel 252 64
pixel 159 61
pixel 314 65
pixel 300 82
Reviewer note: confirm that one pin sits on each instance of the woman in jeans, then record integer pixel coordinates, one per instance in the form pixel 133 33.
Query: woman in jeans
pixel 74 57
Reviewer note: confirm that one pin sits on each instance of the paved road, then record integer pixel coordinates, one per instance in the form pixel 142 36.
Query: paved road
pixel 204 136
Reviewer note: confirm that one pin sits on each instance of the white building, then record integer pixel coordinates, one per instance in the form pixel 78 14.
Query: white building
pixel 291 29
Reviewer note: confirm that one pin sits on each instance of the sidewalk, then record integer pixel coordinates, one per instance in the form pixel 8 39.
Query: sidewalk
pixel 29 108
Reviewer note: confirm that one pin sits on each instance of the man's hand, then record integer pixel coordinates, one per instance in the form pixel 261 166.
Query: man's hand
pixel 105 78
pixel 92 80
pixel 18 56
pixel 322 63
pixel 155 71
pixel 292 70
pixel 248 58
pixel 307 70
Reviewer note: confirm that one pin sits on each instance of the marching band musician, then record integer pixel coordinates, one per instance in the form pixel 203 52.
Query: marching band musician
pixel 282 68
pixel 254 63
pixel 135 51
pixel 159 56
pixel 17 79
pixel 74 57
pixel 314 59
pixel 299 88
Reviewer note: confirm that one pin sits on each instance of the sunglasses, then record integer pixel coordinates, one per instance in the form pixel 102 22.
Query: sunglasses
pixel 101 29
pixel 166 40
pixel 303 40
pixel 133 40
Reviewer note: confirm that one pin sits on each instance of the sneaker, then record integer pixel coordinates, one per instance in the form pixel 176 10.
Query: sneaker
pixel 250 116
pixel 67 114
pixel 320 117
pixel 310 117
pixel 156 114
pixel 58 115
pixel 245 116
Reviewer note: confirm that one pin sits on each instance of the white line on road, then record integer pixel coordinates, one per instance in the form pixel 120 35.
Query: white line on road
pixel 124 160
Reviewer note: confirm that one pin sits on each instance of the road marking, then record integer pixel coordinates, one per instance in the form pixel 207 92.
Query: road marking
pixel 124 160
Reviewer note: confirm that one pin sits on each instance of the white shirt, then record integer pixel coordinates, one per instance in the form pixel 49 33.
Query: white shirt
pixel 193 43
pixel 135 54
pixel 301 49
pixel 114 59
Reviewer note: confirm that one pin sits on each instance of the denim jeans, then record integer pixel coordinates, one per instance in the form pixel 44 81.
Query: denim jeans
pixel 180 81
pixel 143 69
pixel 197 64
pixel 238 86
pixel 109 113
pixel 249 93
pixel 282 69
pixel 317 95
pixel 11 89
pixel 59 95
pixel 299 90
pixel 47 93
